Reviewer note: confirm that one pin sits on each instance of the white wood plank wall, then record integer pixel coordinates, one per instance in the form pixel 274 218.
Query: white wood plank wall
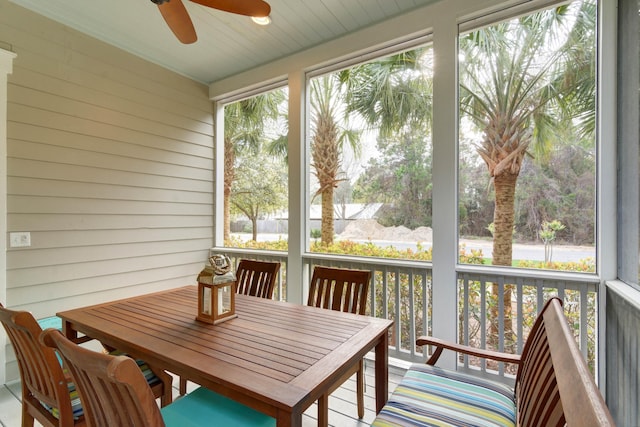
pixel 109 166
pixel 622 343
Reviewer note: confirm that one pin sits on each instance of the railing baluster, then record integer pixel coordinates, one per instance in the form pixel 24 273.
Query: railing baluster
pixel 561 286
pixel 398 324
pixel 426 308
pixel 539 294
pixel 385 301
pixel 412 315
pixel 584 319
pixel 483 322
pixel 520 305
pixel 501 321
pixel 466 279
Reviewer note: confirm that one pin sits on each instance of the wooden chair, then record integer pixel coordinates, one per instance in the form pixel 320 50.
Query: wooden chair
pixel 44 384
pixel 347 291
pixel 48 394
pixel 256 278
pixel 114 393
pixel 339 289
pixel 553 385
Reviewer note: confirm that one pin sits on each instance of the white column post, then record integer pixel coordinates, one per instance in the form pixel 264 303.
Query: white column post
pixel 6 68
pixel 296 278
pixel 218 182
pixel 445 247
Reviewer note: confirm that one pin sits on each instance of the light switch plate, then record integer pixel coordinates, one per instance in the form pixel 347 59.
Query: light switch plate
pixel 20 239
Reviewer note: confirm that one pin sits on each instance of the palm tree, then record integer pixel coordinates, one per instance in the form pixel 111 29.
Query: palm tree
pixel 330 133
pixel 515 88
pixel 244 129
pixel 392 94
pixel 520 84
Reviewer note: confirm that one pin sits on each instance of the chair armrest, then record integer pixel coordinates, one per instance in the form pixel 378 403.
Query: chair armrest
pixel 471 351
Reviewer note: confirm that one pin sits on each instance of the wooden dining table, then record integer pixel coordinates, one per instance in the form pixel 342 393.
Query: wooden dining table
pixel 276 357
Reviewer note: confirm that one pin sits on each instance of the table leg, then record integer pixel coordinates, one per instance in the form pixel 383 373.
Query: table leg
pixel 288 419
pixel 69 332
pixel 72 334
pixel 323 411
pixel 382 371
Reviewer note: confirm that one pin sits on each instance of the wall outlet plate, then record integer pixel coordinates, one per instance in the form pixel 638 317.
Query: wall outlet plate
pixel 21 239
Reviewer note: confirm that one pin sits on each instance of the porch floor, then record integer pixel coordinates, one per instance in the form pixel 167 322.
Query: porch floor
pixel 342 403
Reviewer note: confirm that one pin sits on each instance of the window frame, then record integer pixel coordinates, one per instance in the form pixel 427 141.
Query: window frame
pixel 441 19
pixel 371 55
pixel 628 129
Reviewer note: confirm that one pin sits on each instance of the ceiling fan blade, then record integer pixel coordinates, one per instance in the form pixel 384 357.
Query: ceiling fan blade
pixel 177 18
pixel 258 8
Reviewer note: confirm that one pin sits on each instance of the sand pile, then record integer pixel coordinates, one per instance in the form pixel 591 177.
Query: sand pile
pixel 369 229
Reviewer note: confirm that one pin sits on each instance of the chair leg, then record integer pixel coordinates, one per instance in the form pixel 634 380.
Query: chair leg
pixel 183 386
pixel 323 411
pixel 360 388
pixel 27 418
pixel 167 387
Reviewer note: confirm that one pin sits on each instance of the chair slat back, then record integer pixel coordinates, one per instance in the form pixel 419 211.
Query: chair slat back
pixel 112 388
pixel 43 379
pixel 256 278
pixel 339 289
pixel 554 386
pixel 537 389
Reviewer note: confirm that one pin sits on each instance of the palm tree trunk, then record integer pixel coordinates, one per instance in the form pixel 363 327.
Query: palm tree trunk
pixel 327 216
pixel 326 161
pixel 229 175
pixel 503 221
pixel 503 218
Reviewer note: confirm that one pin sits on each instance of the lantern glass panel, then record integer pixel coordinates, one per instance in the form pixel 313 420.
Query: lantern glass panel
pixel 206 300
pixel 224 299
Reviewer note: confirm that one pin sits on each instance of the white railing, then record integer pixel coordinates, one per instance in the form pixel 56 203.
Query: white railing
pixel 402 291
pixel 497 308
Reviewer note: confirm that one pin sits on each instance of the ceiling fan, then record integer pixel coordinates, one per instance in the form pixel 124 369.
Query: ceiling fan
pixel 177 17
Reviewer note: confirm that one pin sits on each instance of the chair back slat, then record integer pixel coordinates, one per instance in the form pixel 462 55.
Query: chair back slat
pixel 113 390
pixel 339 289
pixel 256 278
pixel 538 393
pixel 42 377
pixel 554 386
pixel 574 379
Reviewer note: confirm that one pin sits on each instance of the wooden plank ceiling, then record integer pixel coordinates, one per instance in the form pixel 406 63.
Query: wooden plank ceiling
pixel 227 43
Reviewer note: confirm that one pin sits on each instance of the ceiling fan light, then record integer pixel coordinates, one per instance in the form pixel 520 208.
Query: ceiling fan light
pixel 261 20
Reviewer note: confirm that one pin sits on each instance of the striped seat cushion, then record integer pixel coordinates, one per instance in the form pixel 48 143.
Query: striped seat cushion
pixel 151 378
pixel 432 396
pixel 76 405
